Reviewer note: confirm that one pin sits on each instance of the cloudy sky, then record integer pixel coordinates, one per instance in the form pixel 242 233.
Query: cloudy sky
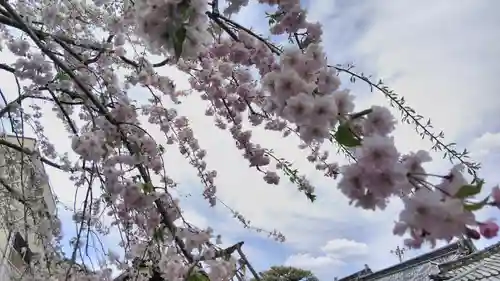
pixel 442 56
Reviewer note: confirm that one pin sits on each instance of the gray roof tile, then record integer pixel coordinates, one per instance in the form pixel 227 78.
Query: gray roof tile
pixel 483 265
pixel 418 267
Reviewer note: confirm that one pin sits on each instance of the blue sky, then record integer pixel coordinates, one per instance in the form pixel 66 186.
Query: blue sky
pixel 444 58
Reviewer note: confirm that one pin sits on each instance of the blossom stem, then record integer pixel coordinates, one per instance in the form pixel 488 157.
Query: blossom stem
pixel 430 175
pixel 361 114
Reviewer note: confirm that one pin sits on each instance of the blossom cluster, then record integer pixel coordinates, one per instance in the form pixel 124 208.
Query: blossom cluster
pixel 301 89
pixel 304 91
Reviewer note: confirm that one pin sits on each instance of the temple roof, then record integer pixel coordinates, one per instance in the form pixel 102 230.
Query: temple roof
pixel 449 252
pixel 483 265
pixel 355 276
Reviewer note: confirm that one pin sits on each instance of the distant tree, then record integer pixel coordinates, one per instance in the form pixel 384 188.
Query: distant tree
pixel 287 273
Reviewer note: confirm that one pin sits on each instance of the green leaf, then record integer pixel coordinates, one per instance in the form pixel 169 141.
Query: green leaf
pixel 476 206
pixel 197 276
pixel 311 197
pixel 344 136
pixel 61 76
pixel 158 234
pixel 469 190
pixel 185 10
pixel 148 187
pixel 179 37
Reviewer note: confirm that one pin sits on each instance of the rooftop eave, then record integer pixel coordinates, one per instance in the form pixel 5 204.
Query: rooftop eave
pixel 471 258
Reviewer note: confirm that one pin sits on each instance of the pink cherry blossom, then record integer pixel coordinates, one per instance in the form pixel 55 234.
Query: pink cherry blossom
pixel 488 229
pixel 495 194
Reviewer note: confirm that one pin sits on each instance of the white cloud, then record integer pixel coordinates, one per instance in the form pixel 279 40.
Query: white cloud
pixel 335 253
pixel 307 261
pixel 485 144
pixel 195 218
pixel 345 248
pixel 445 57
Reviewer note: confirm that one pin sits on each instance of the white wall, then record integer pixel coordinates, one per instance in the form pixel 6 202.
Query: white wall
pixel 47 196
pixel 3 247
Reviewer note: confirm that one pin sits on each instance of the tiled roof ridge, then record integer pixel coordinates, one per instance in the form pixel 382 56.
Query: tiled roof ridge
pixel 358 274
pixel 440 252
pixel 476 256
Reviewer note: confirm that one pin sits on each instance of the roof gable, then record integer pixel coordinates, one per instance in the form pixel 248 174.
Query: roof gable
pixel 421 265
pixel 481 265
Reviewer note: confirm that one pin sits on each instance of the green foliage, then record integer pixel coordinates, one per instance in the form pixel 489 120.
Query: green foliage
pixel 470 190
pixel 61 76
pixel 185 10
pixel 273 17
pixel 148 187
pixel 287 273
pixel 476 206
pixel 293 176
pixel 158 234
pixel 197 276
pixel 345 136
pixel 178 40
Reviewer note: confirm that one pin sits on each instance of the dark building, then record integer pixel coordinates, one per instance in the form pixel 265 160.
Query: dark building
pixel 419 268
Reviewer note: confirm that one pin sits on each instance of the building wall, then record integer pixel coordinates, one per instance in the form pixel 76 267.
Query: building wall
pixel 3 243
pixel 12 211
